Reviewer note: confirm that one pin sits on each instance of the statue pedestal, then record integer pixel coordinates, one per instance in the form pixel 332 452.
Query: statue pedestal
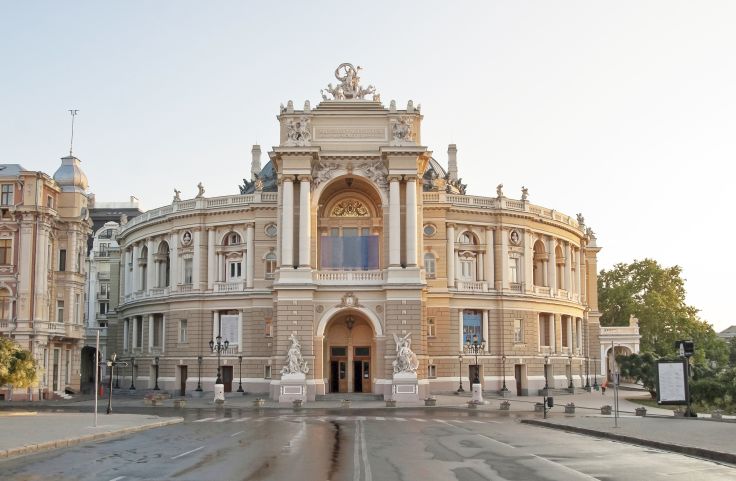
pixel 477 394
pixel 293 387
pixel 219 393
pixel 404 387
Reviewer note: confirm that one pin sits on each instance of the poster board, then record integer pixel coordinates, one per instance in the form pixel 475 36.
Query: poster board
pixel 672 385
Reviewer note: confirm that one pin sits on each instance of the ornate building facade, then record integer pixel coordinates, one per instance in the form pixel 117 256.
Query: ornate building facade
pixel 43 233
pixel 353 235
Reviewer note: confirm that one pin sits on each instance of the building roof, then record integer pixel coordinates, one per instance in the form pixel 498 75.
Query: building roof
pixel 9 170
pixel 728 333
pixel 70 176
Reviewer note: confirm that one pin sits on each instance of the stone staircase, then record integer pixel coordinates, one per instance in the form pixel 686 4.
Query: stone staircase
pixel 62 395
pixel 353 396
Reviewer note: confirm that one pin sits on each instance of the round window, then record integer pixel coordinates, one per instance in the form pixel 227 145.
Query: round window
pixel 429 230
pixel 271 230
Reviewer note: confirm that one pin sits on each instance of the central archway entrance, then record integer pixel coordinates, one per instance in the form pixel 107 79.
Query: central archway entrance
pixel 349 346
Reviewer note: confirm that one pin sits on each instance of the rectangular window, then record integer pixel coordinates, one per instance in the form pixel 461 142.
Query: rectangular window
pixel 138 341
pixel 126 330
pixel 7 194
pixel 431 330
pixel 104 306
pixel 49 202
pixel 158 331
pixel 182 331
pixel 564 332
pixel 472 324
pixel 430 266
pixel 235 270
pixel 514 270
pixel 188 271
pixel 544 330
pixel 350 252
pixel 62 260
pixel 339 351
pixel 362 351
pixel 267 372
pixel 104 290
pixel 229 328
pixel 59 311
pixel 518 331
pixel 432 371
pixel 5 252
pixel 268 329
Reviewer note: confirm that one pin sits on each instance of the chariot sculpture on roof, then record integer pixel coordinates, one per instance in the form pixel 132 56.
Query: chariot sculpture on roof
pixel 349 87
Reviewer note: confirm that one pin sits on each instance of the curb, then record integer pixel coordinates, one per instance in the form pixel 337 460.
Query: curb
pixel 64 443
pixel 677 448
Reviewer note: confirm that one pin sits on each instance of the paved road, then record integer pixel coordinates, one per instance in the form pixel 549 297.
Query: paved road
pixel 361 445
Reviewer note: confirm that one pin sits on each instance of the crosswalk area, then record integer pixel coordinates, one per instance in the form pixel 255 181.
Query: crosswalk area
pixel 326 419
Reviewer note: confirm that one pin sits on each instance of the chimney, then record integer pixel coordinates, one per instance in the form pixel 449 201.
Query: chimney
pixel 255 165
pixel 452 161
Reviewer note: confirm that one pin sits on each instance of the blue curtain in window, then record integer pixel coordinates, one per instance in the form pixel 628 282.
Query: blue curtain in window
pixel 349 253
pixel 472 325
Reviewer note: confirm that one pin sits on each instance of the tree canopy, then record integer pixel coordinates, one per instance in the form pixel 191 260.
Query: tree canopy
pixel 17 366
pixel 656 296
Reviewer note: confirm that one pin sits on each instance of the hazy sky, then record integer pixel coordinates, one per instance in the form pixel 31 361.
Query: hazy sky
pixel 625 111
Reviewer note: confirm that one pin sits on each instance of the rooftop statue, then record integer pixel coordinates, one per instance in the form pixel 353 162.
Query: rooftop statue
pixel 177 195
pixel 349 87
pixel 200 190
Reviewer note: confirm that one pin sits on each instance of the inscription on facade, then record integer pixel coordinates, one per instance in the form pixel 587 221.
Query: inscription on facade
pixel 377 133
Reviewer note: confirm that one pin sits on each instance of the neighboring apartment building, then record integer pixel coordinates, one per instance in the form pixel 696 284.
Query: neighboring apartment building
pixel 103 280
pixel 44 224
pixel 353 233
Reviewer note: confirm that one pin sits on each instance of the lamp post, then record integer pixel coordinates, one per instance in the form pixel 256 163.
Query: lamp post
pixel 475 347
pixel 504 389
pixel 219 347
pixel 460 389
pixel 595 375
pixel 240 383
pixel 132 374
pixel 112 363
pixel 117 380
pixel 569 363
pixel 199 374
pixel 587 374
pixel 546 385
pixel 155 363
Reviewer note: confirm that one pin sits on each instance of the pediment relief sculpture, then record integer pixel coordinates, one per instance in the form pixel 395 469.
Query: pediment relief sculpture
pixel 350 208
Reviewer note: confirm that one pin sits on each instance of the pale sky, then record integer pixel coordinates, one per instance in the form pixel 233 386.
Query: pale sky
pixel 624 111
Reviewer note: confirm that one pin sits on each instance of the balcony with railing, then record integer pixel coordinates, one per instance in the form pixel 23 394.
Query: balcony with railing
pixel 229 286
pixel 365 278
pixel 471 286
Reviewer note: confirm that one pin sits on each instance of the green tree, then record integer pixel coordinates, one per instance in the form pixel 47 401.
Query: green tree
pixel 17 366
pixel 656 296
pixel 641 368
pixel 732 351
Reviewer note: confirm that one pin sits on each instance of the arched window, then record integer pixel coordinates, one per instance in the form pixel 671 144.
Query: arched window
pixel 232 239
pixel 270 265
pixel 540 260
pixel 163 263
pixel 6 306
pixel 143 263
pixel 465 238
pixel 560 267
pixel 430 265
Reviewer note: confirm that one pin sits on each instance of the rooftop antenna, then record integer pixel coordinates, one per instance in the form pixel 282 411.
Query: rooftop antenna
pixel 71 142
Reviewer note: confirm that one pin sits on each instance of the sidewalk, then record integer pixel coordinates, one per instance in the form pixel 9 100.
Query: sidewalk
pixel 33 432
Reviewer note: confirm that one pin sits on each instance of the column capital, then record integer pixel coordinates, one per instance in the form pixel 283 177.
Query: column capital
pixel 286 178
pixel 304 178
pixel 490 228
pixel 249 225
pixel 410 177
pixel 393 178
pixel 451 225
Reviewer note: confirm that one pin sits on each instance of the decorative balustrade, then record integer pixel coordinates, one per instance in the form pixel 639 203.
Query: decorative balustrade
pixel 471 286
pixel 229 286
pixel 344 277
pixel 203 204
pixel 516 287
pixel 497 203
pixel 620 330
pixel 541 290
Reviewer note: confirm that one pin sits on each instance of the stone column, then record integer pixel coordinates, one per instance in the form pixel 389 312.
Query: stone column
pixel 287 222
pixel 558 333
pixel 211 266
pixel 150 332
pixel 394 226
pixel 504 255
pixel 196 261
pixel 485 328
pixel 305 221
pixel 173 261
pixel 136 277
pixel 450 256
pixel 551 327
pixel 460 329
pixel 150 266
pixel 580 273
pixel 488 259
pixel 551 266
pixel 528 262
pixel 411 221
pixel 569 333
pixel 568 267
pixel 250 255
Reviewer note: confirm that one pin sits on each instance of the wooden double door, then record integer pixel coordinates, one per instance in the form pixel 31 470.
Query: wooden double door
pixel 350 373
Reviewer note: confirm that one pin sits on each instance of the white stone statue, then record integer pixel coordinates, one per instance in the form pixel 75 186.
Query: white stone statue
pixel 401 130
pixel 406 360
pixel 200 190
pixel 499 190
pixel 177 195
pixel 581 220
pixel 295 364
pixel 524 193
pixel 298 132
pixel 349 87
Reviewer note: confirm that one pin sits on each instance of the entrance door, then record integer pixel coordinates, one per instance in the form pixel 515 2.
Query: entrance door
pixel 55 372
pixel 338 369
pixel 182 380
pixel 474 374
pixel 361 376
pixel 227 378
pixel 517 376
